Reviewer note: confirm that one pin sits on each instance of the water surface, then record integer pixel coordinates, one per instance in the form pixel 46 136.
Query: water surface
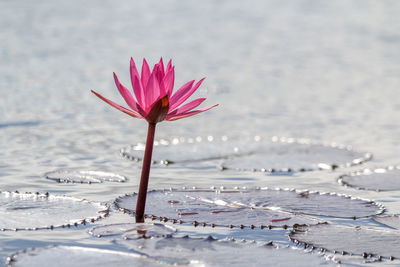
pixel 329 71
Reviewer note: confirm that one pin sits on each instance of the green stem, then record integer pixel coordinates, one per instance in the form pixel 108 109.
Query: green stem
pixel 144 179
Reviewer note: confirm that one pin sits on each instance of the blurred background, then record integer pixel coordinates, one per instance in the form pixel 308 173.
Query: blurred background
pixel 326 70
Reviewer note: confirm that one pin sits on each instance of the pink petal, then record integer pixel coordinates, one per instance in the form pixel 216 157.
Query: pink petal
pixel 161 65
pixel 152 91
pixel 169 81
pixel 139 108
pixel 158 72
pixel 189 106
pixel 145 73
pixel 169 66
pixel 138 90
pixel 125 110
pixel 175 97
pixel 125 94
pixel 163 91
pixel 183 93
pixel 187 114
pixel 160 78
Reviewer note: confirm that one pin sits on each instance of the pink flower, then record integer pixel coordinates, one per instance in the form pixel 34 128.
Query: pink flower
pixel 155 101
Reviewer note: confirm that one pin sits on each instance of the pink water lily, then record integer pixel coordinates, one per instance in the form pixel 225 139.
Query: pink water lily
pixel 155 100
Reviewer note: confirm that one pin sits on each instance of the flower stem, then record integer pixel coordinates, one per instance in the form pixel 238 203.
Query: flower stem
pixel 144 179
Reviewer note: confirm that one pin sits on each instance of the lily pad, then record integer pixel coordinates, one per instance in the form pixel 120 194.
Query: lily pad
pixel 355 240
pixel 65 176
pixel 187 149
pixel 78 256
pixel 289 155
pixel 207 207
pixel 360 260
pixel 133 230
pixel 212 252
pixel 241 207
pixel 33 211
pixel 392 221
pixel 382 179
pixel 255 154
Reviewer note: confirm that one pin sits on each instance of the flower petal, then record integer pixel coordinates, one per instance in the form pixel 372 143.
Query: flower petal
pixel 125 94
pixel 187 114
pixel 189 106
pixel 160 79
pixel 159 72
pixel 161 65
pixel 152 91
pixel 140 109
pixel 145 73
pixel 125 110
pixel 181 95
pixel 175 99
pixel 169 66
pixel 138 90
pixel 169 81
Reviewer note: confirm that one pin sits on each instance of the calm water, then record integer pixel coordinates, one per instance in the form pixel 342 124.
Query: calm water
pixel 329 71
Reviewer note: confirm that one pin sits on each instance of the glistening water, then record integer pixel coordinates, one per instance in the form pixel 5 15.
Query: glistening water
pixel 328 71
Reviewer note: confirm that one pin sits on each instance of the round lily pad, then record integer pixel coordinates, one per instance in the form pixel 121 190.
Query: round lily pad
pixel 133 230
pixel 344 259
pixel 207 207
pixel 68 256
pixel 289 155
pixel 212 252
pixel 33 211
pixel 187 149
pixel 382 179
pixel 355 240
pixel 254 154
pixel 392 221
pixel 241 207
pixel 65 176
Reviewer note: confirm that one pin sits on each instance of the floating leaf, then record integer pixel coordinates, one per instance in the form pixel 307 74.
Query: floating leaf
pixel 281 155
pixel 211 252
pixel 186 149
pixel 133 230
pixel 288 155
pixel 360 260
pixel 65 176
pixel 356 240
pixel 383 179
pixel 209 207
pixel 75 256
pixel 30 211
pixel 240 207
pixel 392 221
pixel 314 203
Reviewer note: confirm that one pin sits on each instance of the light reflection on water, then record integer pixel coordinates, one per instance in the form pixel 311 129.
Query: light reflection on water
pixel 287 69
